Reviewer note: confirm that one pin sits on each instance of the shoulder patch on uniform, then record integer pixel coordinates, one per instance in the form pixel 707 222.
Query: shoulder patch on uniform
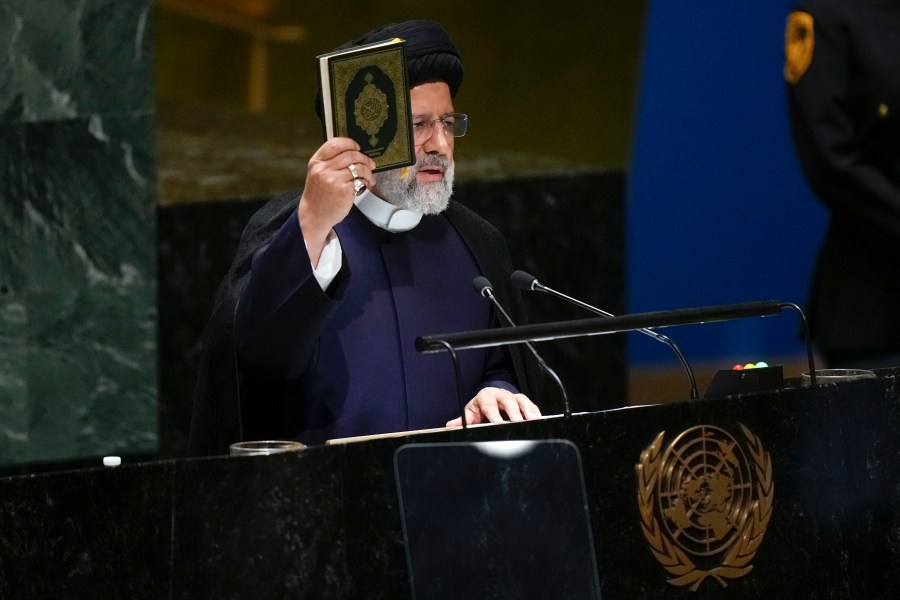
pixel 799 41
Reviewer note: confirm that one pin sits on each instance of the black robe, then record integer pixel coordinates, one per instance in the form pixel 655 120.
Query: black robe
pixel 220 418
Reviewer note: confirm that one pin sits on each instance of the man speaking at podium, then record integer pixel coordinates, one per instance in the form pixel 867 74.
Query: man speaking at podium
pixel 312 333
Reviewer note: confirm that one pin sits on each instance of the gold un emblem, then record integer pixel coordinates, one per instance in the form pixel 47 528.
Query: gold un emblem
pixel 705 502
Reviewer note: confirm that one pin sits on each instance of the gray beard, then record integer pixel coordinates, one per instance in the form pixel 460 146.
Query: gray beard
pixel 427 198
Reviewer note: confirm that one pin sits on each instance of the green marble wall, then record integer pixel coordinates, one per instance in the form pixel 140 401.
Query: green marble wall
pixel 77 230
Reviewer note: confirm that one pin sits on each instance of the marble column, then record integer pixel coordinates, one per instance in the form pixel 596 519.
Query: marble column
pixel 78 366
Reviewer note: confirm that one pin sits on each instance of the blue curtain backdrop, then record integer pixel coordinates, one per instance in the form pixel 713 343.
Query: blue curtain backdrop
pixel 718 211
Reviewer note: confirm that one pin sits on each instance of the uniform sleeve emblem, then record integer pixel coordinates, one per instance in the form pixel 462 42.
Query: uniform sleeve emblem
pixel 799 41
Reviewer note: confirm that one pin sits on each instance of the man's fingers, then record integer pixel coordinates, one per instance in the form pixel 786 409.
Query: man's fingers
pixel 335 147
pixel 340 153
pixel 532 411
pixel 473 417
pixel 491 404
pixel 486 405
pixel 529 409
pixel 510 405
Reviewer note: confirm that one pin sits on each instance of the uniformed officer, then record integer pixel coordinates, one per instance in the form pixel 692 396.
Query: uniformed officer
pixel 843 73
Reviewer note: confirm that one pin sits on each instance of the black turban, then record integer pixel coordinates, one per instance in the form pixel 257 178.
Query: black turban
pixel 430 53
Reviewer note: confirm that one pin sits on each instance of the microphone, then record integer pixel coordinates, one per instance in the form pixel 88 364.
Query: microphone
pixel 483 286
pixel 528 282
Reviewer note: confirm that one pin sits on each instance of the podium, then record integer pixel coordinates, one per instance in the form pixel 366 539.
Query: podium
pixel 786 494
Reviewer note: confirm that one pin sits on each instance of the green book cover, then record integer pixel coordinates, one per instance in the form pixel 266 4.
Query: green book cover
pixel 365 96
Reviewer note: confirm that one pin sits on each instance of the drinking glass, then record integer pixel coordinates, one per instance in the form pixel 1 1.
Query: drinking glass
pixel 263 447
pixel 824 376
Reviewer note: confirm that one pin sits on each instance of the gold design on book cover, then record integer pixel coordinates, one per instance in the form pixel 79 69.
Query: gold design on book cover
pixel 705 502
pixel 371 109
pixel 799 42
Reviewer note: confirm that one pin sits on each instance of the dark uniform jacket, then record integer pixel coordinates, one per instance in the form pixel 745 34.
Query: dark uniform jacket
pixel 845 116
pixel 310 396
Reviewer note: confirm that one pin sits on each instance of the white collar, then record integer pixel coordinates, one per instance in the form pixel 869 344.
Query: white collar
pixel 386 215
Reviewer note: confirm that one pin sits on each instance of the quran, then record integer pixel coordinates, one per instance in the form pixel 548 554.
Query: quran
pixel 365 97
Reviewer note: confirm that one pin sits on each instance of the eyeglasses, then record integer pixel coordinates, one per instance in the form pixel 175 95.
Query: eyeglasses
pixel 454 124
